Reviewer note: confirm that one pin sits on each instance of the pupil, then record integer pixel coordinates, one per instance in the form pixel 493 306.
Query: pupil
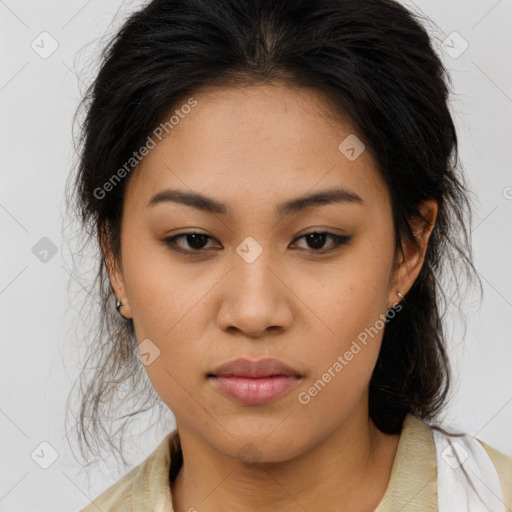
pixel 195 240
pixel 316 240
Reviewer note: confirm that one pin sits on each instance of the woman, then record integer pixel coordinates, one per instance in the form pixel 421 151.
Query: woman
pixel 274 187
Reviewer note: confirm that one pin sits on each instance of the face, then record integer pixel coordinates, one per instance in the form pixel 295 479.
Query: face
pixel 266 275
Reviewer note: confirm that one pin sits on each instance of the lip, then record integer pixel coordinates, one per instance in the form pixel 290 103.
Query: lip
pixel 254 382
pixel 260 368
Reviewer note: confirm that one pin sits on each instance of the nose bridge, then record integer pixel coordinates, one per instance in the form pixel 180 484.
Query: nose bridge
pixel 252 264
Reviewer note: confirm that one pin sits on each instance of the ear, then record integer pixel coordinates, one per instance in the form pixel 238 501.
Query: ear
pixel 409 267
pixel 115 274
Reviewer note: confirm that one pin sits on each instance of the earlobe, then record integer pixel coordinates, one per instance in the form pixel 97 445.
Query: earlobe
pixel 117 283
pixel 123 312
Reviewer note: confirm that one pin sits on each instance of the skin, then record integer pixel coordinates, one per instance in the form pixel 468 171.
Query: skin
pixel 251 149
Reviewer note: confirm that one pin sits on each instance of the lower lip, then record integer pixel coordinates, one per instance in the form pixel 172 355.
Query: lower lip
pixel 254 391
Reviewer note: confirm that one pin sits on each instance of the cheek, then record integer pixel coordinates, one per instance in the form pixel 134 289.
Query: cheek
pixel 344 365
pixel 161 293
pixel 175 373
pixel 349 306
pixel 171 310
pixel 349 300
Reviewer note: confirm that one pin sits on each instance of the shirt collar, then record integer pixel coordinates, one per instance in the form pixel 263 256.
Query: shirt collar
pixel 413 482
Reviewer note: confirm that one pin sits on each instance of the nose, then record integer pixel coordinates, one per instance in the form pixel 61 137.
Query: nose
pixel 256 298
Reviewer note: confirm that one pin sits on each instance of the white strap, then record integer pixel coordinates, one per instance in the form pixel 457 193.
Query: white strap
pixel 454 491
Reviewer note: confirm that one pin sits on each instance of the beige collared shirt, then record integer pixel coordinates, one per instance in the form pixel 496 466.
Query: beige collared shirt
pixel 412 486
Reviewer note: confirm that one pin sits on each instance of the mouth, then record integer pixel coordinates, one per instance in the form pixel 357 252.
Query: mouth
pixel 254 382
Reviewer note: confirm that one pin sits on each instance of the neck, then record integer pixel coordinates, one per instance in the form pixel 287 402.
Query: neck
pixel 348 470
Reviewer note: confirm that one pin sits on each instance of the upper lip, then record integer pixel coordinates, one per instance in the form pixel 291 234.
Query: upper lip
pixel 260 368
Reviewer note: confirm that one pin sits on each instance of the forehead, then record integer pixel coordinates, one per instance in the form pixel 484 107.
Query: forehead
pixel 264 143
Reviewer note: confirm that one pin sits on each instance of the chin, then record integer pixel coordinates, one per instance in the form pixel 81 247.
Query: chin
pixel 259 447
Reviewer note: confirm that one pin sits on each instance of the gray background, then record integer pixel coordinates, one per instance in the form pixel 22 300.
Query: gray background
pixel 39 361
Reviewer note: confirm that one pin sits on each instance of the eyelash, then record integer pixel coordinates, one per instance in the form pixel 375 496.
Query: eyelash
pixel 338 241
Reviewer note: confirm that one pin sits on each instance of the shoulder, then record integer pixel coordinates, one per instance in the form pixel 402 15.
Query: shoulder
pixel 503 465
pixel 418 433
pixel 489 469
pixel 146 482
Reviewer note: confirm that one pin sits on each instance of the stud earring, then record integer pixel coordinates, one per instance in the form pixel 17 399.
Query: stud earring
pixel 119 304
pixel 399 294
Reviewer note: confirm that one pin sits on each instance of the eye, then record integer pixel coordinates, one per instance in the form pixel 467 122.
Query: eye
pixel 316 240
pixel 192 242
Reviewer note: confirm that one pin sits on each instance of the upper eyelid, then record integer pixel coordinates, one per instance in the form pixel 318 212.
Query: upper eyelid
pixel 312 230
pixel 320 231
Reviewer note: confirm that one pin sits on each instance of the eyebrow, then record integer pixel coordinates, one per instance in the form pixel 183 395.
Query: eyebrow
pixel 205 203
